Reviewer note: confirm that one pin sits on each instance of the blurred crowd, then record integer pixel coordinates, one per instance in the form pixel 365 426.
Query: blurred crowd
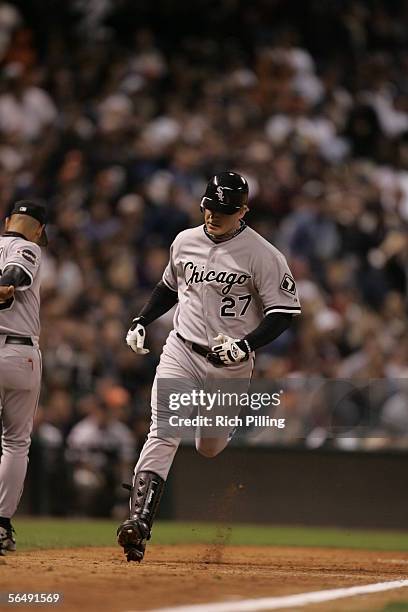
pixel 118 112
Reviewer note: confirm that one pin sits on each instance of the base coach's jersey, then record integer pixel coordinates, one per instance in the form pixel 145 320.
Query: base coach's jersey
pixel 227 287
pixel 20 315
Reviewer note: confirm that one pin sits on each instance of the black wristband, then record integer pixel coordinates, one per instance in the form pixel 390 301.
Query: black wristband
pixel 244 346
pixel 137 321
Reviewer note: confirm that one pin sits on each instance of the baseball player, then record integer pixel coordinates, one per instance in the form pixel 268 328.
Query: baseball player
pixel 234 293
pixel 20 358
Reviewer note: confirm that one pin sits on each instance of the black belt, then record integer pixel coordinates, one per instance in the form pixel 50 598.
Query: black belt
pixel 197 348
pixel 26 340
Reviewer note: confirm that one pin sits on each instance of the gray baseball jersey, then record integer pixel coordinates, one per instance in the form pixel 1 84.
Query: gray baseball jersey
pixel 227 287
pixel 21 314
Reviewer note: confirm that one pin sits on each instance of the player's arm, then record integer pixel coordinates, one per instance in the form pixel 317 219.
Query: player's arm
pixel 16 276
pixel 163 297
pixel 270 328
pixel 161 300
pixel 231 351
pixel 21 267
pixel 13 278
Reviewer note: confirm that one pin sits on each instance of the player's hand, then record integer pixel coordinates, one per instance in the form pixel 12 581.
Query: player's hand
pixel 214 358
pixel 136 336
pixel 6 292
pixel 229 351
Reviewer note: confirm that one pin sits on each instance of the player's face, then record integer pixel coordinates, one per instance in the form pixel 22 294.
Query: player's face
pixel 218 224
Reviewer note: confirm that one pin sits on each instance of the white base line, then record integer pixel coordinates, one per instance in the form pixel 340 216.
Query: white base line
pixel 275 603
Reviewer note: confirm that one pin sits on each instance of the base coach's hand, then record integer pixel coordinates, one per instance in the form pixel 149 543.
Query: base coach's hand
pixel 6 293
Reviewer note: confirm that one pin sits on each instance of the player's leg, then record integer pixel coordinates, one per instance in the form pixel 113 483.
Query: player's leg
pixel 211 447
pixel 159 450
pixel 147 486
pixel 20 388
pixel 225 382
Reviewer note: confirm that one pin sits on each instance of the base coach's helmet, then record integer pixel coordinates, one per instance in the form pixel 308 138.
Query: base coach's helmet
pixel 226 193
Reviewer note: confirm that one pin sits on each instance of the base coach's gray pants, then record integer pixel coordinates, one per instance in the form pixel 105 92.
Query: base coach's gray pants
pixel 20 382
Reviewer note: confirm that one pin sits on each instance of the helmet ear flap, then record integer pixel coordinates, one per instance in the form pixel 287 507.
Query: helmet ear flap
pixel 202 206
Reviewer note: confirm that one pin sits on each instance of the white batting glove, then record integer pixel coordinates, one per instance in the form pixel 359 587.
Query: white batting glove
pixel 231 351
pixel 136 336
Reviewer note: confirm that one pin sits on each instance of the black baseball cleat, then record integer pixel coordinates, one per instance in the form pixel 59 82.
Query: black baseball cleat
pixel 7 540
pixel 132 536
pixel 145 496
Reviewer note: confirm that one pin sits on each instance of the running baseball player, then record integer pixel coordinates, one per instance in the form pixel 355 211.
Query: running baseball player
pixel 234 293
pixel 20 358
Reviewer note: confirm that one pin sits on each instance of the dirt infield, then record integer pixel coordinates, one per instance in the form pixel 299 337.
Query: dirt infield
pixel 100 578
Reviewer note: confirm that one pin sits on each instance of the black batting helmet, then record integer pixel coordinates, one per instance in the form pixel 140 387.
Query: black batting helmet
pixel 226 193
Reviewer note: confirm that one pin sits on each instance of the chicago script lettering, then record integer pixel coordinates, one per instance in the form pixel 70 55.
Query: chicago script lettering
pixel 229 279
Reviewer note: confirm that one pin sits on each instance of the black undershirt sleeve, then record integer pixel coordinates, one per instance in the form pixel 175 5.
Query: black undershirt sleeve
pixel 14 275
pixel 269 329
pixel 160 302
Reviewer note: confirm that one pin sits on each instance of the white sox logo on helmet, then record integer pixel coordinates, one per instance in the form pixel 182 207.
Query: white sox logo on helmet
pixel 220 194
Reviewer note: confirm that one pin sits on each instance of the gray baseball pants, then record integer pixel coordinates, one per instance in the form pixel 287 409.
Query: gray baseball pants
pixel 20 383
pixel 188 370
